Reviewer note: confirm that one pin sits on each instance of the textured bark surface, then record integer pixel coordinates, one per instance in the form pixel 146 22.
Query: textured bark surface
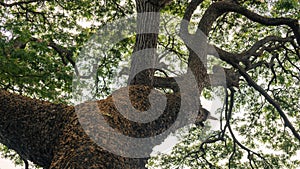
pixel 31 127
pixel 51 136
pixel 144 56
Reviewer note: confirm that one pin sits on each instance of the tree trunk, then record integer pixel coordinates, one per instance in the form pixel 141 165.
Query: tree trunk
pixel 51 135
pixel 31 127
pixel 57 136
pixel 144 54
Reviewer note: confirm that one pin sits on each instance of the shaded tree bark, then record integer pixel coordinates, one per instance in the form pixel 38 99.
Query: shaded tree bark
pixel 144 54
pixel 51 135
pixel 31 127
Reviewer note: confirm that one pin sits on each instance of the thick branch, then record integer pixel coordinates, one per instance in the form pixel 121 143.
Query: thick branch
pixel 197 46
pixel 188 14
pixel 51 135
pixel 232 59
pixel 254 50
pixel 219 8
pixel 30 127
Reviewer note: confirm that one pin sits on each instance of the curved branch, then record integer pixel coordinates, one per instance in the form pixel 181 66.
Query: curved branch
pixel 260 44
pixel 252 83
pixel 255 50
pixel 219 8
pixel 63 52
pixel 228 117
pixel 233 59
pixel 188 14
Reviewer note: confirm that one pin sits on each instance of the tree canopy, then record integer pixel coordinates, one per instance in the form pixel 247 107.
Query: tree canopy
pixel 245 52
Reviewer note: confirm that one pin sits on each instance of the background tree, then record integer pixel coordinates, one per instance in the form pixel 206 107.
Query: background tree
pixel 257 41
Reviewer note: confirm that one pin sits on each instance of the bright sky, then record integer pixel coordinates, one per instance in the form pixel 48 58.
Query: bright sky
pixel 7 164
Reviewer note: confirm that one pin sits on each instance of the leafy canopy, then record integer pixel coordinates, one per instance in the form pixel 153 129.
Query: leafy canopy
pixel 40 40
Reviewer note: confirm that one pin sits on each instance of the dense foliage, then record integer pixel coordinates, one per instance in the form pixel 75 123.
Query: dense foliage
pixel 40 40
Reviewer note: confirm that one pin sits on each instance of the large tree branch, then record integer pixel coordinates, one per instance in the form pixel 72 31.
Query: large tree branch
pixel 197 45
pixel 47 134
pixel 31 127
pixel 51 135
pixel 187 16
pixel 231 58
pixel 210 16
pixel 219 8
pixel 255 50
pixel 261 45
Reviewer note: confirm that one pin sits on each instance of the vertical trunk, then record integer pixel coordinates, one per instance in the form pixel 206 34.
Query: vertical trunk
pixel 144 56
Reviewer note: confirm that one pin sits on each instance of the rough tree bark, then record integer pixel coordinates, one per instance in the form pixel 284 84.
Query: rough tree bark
pixel 51 136
pixel 144 54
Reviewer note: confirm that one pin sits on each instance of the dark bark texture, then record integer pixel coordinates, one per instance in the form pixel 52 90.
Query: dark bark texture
pixel 51 136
